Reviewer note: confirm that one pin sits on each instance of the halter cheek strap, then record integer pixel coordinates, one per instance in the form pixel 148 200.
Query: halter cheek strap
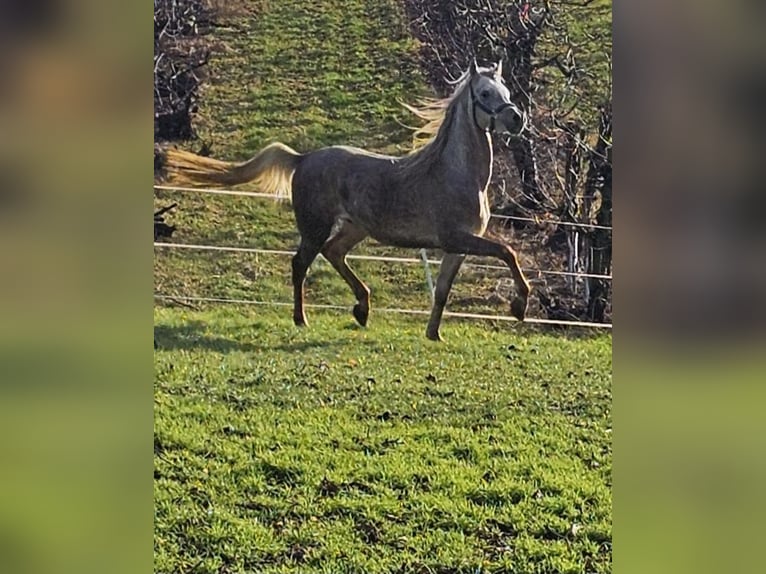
pixel 490 112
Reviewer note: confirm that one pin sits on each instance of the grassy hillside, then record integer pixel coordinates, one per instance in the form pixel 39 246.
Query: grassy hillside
pixel 310 74
pixel 337 448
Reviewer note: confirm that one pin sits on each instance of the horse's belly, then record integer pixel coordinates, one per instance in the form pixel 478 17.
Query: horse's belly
pixel 396 223
pixel 402 234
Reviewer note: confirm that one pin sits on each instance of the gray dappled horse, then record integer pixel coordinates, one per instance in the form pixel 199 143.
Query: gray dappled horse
pixel 435 197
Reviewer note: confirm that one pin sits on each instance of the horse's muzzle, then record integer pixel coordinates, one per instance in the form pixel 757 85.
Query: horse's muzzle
pixel 511 121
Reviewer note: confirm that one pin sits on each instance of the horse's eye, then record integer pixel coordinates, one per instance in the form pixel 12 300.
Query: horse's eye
pixel 485 94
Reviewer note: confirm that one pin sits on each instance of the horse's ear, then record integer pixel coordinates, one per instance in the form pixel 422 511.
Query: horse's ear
pixel 474 66
pixel 499 70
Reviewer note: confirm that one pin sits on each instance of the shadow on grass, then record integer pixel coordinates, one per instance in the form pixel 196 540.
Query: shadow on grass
pixel 193 336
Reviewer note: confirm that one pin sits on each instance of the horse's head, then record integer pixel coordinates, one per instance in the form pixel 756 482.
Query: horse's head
pixel 492 108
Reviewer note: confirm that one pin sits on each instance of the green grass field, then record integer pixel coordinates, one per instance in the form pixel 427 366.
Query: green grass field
pixel 341 449
pixel 337 448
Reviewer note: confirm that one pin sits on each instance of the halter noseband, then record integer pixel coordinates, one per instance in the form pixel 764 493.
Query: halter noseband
pixel 491 113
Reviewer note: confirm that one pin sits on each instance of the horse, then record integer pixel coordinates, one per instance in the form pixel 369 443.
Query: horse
pixel 434 197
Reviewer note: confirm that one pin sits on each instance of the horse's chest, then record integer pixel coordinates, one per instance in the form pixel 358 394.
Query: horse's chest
pixel 484 214
pixel 474 199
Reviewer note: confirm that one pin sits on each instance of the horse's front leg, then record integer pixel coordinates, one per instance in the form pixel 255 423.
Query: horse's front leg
pixel 459 242
pixel 448 269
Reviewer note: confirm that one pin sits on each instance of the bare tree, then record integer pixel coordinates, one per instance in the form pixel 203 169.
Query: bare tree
pixel 177 61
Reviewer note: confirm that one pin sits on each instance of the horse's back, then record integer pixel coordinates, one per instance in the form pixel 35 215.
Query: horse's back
pixel 332 181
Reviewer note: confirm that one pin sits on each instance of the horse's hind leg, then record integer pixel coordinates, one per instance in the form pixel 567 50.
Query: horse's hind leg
pixel 302 260
pixel 448 269
pixel 335 251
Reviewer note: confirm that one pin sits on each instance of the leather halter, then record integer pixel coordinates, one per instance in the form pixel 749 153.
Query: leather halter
pixel 490 112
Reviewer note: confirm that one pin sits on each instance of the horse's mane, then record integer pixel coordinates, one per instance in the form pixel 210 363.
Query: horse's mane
pixel 433 111
pixel 428 140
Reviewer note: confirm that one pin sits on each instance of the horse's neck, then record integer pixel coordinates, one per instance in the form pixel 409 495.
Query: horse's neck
pixel 468 147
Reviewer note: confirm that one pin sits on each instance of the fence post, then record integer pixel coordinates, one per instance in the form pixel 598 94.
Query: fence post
pixel 429 278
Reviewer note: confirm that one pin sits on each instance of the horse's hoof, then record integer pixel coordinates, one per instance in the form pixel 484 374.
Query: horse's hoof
pixel 361 315
pixel 519 308
pixel 300 322
pixel 434 336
